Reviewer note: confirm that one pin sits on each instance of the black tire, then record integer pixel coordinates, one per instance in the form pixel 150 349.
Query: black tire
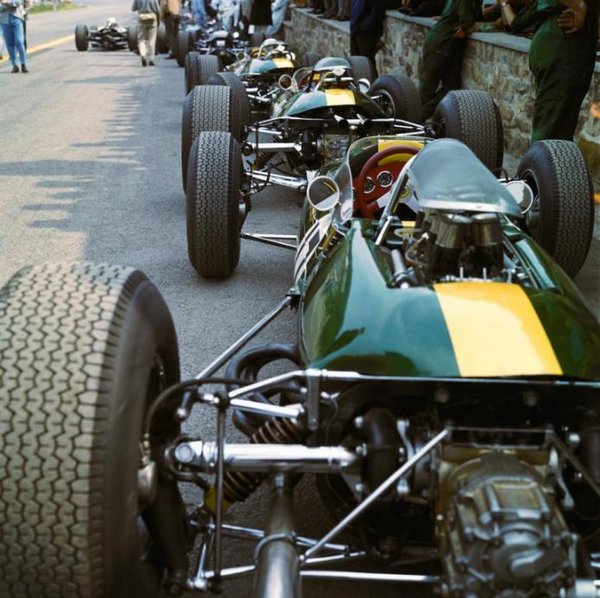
pixel 562 217
pixel 182 47
pixel 213 200
pixel 82 38
pixel 162 39
pixel 256 39
pixel 189 71
pixel 132 38
pixel 199 68
pixel 309 59
pixel 399 97
pixel 80 351
pixel 239 95
pixel 207 108
pixel 362 68
pixel 471 116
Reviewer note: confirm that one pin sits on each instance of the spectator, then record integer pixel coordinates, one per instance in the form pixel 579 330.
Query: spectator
pixel 343 13
pixel 12 19
pixel 148 19
pixel 443 52
pixel 278 10
pixel 2 46
pixel 170 10
pixel 198 12
pixel 366 28
pixel 260 15
pixel 562 57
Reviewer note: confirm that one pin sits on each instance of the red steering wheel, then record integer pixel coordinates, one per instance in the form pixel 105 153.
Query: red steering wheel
pixel 367 204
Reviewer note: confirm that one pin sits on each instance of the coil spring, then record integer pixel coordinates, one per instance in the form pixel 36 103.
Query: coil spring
pixel 262 159
pixel 238 485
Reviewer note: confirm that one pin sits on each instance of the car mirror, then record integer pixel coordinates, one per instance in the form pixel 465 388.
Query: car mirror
pixel 364 85
pixel 522 193
pixel 323 193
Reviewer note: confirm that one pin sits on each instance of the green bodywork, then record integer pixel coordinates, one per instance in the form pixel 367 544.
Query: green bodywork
pixel 353 319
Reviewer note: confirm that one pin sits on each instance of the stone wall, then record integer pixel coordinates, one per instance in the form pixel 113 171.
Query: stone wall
pixel 495 62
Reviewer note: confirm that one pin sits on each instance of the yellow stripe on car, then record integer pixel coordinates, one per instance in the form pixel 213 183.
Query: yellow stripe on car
pixel 283 63
pixel 340 97
pixel 385 143
pixel 495 330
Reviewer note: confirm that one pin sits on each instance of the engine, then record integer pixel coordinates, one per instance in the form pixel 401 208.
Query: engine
pixel 457 246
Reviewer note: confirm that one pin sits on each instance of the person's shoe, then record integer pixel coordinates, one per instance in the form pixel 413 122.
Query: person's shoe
pixel 171 56
pixel 328 14
pixel 24 68
pixel 151 63
pixel 15 69
pixel 144 63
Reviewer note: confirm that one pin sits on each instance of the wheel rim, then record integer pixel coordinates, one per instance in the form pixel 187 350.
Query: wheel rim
pixel 532 212
pixel 386 102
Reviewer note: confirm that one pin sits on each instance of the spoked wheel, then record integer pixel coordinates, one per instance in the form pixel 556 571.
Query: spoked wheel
pixel 398 96
pixel 362 68
pixel 561 215
pixel 82 38
pixel 132 38
pixel 207 108
pixel 213 204
pixel 85 349
pixel 471 116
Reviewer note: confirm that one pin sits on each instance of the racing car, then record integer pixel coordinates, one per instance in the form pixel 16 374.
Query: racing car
pixel 109 36
pixel 313 122
pixel 444 390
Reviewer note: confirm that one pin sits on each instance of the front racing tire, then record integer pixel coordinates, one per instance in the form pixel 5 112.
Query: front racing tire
pixel 199 68
pixel 84 350
pixel 561 218
pixel 132 38
pixel 182 46
pixel 213 202
pixel 82 38
pixel 162 40
pixel 471 116
pixel 398 96
pixel 207 108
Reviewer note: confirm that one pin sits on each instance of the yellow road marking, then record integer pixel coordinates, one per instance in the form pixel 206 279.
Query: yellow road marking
pixel 46 46
pixel 495 330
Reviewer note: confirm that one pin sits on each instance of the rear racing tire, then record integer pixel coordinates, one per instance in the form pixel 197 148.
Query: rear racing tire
pixel 239 95
pixel 399 97
pixel 132 39
pixel 200 68
pixel 82 38
pixel 362 68
pixel 84 350
pixel 213 201
pixel 207 108
pixel 182 47
pixel 309 59
pixel 162 39
pixel 471 116
pixel 561 219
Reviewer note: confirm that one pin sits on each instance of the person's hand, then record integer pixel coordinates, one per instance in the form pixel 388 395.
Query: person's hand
pixel 572 19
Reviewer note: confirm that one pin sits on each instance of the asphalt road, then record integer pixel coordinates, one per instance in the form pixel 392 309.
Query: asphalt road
pixel 89 170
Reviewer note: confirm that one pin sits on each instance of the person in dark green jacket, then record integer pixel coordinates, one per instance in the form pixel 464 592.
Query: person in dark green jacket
pixel 443 51
pixel 562 57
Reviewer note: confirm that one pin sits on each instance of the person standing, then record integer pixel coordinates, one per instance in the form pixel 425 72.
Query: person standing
pixel 366 28
pixel 443 52
pixel 170 10
pixel 12 19
pixel 148 19
pixel 562 56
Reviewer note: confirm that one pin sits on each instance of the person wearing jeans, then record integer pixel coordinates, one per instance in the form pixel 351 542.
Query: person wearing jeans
pixel 12 19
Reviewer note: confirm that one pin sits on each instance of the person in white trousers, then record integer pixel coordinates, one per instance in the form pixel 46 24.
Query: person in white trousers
pixel 148 19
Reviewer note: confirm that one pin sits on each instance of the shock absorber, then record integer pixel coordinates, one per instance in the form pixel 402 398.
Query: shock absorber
pixel 239 485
